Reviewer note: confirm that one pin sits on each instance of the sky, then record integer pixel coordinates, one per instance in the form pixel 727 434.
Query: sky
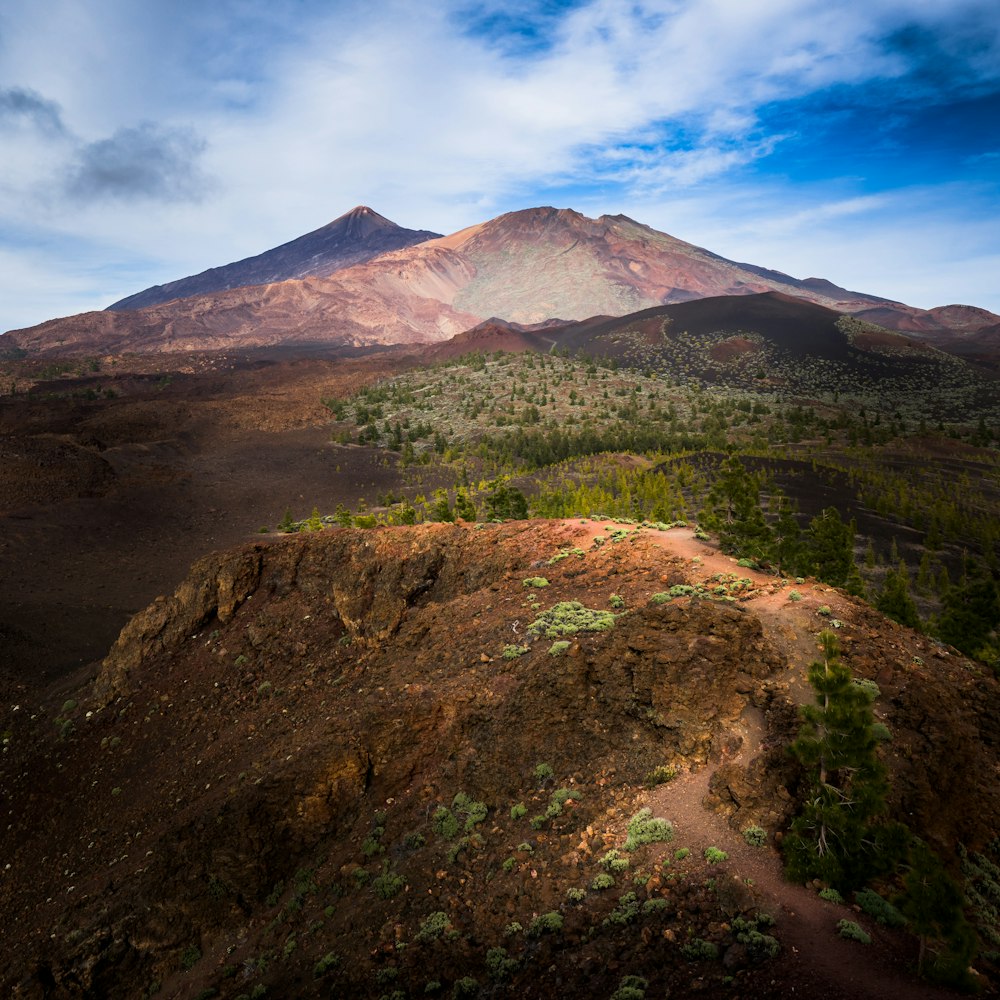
pixel 142 142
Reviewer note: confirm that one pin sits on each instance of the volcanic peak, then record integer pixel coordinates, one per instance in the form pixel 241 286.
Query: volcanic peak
pixel 352 238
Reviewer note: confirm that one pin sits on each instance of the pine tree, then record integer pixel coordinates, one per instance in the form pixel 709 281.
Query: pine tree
pixel 440 510
pixel 505 502
pixel 895 601
pixel 788 547
pixel 732 511
pixel 971 613
pixel 835 837
pixel 830 547
pixel 464 508
pixel 870 555
pixel 933 904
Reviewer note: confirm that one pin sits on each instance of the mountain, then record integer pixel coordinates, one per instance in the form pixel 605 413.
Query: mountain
pixel 354 237
pixel 525 267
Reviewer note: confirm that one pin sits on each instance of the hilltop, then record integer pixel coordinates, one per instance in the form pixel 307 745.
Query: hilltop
pixel 315 767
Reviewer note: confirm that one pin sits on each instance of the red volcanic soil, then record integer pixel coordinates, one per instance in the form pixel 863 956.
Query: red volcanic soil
pixel 734 347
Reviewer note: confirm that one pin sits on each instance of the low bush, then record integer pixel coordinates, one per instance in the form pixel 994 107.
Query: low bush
pixel 644 828
pixel 853 932
pixel 547 923
pixel 699 950
pixel 880 909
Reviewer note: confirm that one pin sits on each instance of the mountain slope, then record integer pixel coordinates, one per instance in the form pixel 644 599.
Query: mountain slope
pixel 354 237
pixel 313 769
pixel 526 267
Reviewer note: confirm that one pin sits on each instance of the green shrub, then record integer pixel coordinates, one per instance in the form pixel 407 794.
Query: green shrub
pixel 631 988
pixel 824 610
pixel 190 957
pixel 881 732
pixel 474 812
pixel 868 686
pixel 547 923
pixel 464 987
pixel 388 884
pixel 445 822
pixel 543 773
pixel 755 836
pixel 681 853
pixel 624 913
pixel 371 846
pixel 558 799
pixel 614 862
pixel 518 811
pixel 853 932
pixel 714 856
pixel 498 965
pixel 602 881
pixel 385 976
pixel 661 775
pixel 881 909
pixel 616 601
pixel 575 895
pixel 434 926
pixel 699 950
pixel 535 581
pixel 644 828
pixel 652 906
pixel 512 928
pixel 758 944
pixel 831 896
pixel 569 618
pixel 511 652
pixel 558 648
pixel 794 595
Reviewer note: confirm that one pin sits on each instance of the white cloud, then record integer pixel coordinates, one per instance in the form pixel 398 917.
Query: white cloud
pixel 310 108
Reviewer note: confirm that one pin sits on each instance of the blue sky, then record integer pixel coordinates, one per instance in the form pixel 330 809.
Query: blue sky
pixel 143 142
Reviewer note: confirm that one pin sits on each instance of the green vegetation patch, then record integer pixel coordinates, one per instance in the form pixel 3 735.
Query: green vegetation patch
pixel 645 828
pixel 569 618
pixel 853 932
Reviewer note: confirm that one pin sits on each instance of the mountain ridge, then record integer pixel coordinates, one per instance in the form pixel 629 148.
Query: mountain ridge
pixel 527 266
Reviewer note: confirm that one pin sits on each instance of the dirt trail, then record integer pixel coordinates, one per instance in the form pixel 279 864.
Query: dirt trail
pixel 817 961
